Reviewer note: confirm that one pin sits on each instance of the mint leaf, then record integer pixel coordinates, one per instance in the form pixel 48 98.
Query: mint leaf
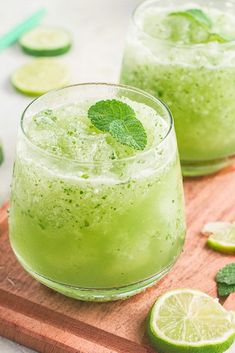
pixel 226 275
pixel 129 133
pixel 225 289
pixel 196 15
pixel 225 279
pixel 120 121
pixel 104 112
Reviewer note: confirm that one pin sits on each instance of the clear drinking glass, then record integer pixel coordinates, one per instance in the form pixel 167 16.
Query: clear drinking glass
pixel 195 80
pixel 95 227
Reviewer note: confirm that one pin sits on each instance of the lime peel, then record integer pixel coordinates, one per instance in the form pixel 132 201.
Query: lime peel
pixel 221 236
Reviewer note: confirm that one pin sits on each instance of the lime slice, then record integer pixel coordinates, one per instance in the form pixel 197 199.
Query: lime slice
pixel 222 236
pixel 189 26
pixel 46 41
pixel 188 321
pixel 196 15
pixel 40 76
pixel 201 27
pixel 220 38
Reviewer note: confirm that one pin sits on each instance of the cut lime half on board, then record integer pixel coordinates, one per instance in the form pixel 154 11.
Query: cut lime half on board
pixel 221 236
pixel 46 41
pixel 40 76
pixel 189 321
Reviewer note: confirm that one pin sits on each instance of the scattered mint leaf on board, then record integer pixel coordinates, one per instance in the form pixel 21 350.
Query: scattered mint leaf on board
pixel 119 119
pixel 226 275
pixel 196 15
pixel 225 289
pixel 225 279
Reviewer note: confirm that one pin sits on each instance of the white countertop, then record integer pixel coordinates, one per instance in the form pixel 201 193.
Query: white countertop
pixel 99 28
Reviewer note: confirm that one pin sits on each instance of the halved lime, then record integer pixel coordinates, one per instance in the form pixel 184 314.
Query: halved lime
pixel 46 41
pixel 188 321
pixel 40 76
pixel 222 236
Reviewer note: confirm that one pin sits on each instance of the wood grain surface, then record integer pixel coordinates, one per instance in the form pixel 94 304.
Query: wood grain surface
pixel 40 318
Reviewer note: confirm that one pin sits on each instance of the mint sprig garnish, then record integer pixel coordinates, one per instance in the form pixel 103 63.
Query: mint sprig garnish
pixel 202 19
pixel 225 279
pixel 196 15
pixel 119 119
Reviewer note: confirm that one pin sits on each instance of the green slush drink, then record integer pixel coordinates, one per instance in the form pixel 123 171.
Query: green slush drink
pixel 91 217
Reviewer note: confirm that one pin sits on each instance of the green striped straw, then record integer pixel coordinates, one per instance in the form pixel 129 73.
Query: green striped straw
pixel 14 34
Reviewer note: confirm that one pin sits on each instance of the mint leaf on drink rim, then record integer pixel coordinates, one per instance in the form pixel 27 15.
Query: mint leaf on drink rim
pixel 197 15
pixel 127 133
pixel 119 119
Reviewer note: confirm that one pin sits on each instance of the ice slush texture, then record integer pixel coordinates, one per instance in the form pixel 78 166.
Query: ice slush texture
pixel 194 77
pixel 89 217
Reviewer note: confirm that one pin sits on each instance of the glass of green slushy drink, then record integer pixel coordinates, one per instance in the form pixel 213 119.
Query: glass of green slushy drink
pixel 184 53
pixel 97 209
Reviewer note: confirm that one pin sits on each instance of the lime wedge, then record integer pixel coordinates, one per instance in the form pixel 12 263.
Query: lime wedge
pixel 188 321
pixel 40 76
pixel 46 41
pixel 221 236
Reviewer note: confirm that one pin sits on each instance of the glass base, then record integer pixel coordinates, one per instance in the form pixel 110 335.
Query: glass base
pixel 197 168
pixel 99 294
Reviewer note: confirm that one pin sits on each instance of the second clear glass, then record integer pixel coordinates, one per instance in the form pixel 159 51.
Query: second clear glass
pixel 195 80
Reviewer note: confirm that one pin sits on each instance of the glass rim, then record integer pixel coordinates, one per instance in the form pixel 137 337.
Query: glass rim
pixel 50 155
pixel 167 41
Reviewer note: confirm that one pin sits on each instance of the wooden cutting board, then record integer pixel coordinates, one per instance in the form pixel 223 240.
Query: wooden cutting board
pixel 37 317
